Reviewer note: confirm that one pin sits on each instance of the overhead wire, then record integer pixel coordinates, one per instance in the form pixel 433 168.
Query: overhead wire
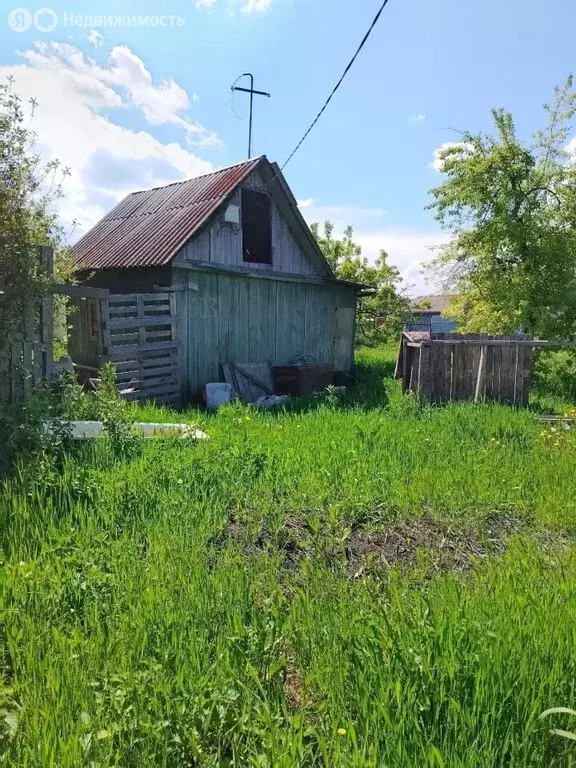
pixel 337 86
pixel 334 90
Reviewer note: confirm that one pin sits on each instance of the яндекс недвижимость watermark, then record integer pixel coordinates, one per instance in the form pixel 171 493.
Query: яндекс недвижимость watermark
pixel 46 20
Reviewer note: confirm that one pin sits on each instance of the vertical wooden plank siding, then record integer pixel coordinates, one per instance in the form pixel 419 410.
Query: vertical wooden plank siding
pixel 237 319
pixel 473 371
pixel 26 355
pixel 506 374
pixel 220 242
pixel 425 378
pixel 4 375
pixel 489 379
pixel 181 299
pixel 47 314
pixel 438 367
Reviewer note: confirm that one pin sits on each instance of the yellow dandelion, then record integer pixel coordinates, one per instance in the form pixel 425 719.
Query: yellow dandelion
pixel 341 731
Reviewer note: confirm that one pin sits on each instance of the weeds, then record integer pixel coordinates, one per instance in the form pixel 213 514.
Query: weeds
pixel 344 584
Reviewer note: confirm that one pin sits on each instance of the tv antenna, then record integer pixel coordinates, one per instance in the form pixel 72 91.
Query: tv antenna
pixel 252 93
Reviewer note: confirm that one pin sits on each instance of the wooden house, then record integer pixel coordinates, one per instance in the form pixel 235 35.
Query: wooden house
pixel 220 269
pixel 427 314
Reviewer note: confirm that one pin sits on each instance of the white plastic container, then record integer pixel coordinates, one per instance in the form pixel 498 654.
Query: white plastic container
pixel 217 394
pixel 88 430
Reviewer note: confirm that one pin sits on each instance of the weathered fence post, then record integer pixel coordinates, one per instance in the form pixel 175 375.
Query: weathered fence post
pixel 47 315
pixel 26 355
pixel 481 378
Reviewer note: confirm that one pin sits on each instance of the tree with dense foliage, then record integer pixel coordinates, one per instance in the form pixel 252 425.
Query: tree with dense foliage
pixel 383 310
pixel 511 208
pixel 28 188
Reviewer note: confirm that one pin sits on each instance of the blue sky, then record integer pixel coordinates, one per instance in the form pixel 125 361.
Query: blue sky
pixel 130 107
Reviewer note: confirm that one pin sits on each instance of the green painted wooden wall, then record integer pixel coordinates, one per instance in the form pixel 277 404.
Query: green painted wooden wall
pixel 235 318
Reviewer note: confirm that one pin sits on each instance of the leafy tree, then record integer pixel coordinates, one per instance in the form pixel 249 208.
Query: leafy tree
pixel 28 188
pixel 382 311
pixel 511 208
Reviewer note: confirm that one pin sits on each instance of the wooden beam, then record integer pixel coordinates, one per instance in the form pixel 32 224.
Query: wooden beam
pixel 200 266
pixel 499 343
pixel 122 351
pixel 141 322
pixel 80 291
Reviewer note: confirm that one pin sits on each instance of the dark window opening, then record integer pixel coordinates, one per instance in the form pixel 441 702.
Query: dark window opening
pixel 256 227
pixel 92 320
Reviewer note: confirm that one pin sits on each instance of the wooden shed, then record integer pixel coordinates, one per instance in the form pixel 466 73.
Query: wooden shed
pixel 184 279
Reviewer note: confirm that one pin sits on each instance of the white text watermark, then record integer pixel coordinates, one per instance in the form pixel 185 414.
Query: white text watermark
pixel 46 20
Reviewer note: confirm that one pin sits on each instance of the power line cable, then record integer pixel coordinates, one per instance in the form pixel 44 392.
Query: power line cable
pixel 338 84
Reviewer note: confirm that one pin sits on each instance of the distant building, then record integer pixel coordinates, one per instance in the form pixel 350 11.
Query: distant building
pixel 426 314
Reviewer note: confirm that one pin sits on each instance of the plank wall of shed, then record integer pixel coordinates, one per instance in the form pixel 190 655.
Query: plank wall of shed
pixel 220 243
pixel 225 318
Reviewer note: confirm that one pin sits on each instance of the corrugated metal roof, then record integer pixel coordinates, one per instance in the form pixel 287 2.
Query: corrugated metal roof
pixel 147 228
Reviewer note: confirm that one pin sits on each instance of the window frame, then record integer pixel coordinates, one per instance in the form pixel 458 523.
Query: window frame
pixel 266 237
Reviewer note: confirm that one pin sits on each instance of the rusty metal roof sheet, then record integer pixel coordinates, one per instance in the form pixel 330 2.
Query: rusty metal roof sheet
pixel 148 228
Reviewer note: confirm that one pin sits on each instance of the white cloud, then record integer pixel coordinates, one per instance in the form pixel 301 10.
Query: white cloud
pixel 419 118
pixel 408 249
pixel 437 161
pixel 341 215
pixel 257 6
pixel 124 82
pixel 106 160
pixel 95 38
pixel 249 7
pixel 305 203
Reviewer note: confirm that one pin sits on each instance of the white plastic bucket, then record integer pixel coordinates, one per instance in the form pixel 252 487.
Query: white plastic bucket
pixel 217 394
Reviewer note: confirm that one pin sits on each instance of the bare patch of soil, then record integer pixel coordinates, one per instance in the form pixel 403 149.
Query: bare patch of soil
pixel 446 547
pixel 449 547
pixel 293 540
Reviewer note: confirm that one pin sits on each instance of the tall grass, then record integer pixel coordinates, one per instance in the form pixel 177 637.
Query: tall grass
pixel 195 606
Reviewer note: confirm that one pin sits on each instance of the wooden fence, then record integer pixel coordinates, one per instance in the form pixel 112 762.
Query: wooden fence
pixel 448 367
pixel 139 337
pixel 137 332
pixel 26 356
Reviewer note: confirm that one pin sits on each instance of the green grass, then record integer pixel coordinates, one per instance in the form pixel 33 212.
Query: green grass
pixel 196 605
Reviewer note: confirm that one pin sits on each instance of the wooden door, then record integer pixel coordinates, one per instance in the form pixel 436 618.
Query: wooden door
pixel 344 338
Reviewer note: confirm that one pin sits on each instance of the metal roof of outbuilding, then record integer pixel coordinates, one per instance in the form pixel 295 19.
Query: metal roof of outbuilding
pixel 147 228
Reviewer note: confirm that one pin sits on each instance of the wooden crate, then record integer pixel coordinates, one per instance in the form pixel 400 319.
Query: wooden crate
pixel 451 367
pixel 301 380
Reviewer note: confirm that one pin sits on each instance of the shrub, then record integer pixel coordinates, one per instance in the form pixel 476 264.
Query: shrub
pixel 555 373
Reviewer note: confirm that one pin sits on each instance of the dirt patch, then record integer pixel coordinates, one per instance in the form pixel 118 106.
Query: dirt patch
pixel 293 541
pixel 444 546
pixel 449 547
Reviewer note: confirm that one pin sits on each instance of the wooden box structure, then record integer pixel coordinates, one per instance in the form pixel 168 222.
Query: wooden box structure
pixel 136 332
pixel 302 380
pixel 450 367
